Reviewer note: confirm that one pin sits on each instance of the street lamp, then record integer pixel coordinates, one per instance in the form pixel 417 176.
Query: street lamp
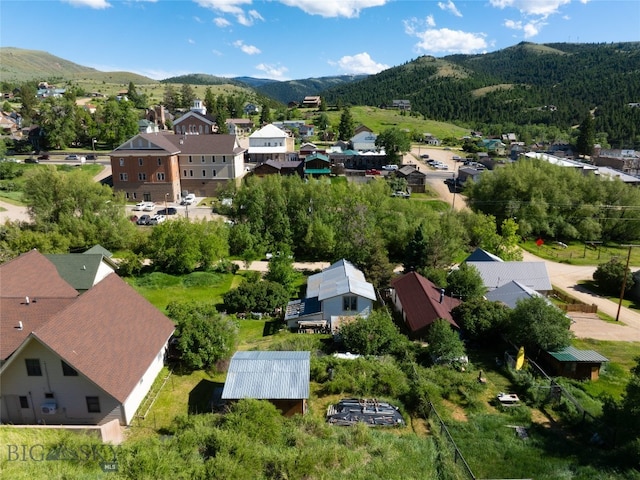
pixel 166 195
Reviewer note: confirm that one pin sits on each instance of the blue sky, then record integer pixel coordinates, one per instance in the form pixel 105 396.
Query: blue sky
pixel 295 39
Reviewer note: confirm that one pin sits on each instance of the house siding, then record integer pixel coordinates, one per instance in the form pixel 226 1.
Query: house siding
pixel 333 307
pixel 69 392
pixel 131 404
pixel 151 188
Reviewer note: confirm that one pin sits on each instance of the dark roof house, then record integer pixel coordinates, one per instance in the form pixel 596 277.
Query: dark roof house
pixel 421 302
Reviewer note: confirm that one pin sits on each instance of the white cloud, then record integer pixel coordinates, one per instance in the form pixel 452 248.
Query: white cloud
pixel 334 8
pixel 232 7
pixel 512 24
pixel 448 41
pixel 450 6
pixel 430 21
pixel 248 49
pixel 97 4
pixel 275 72
pixel 532 7
pixel 361 63
pixel 198 20
pixel 191 41
pixel 248 20
pixel 530 29
pixel 221 22
pixel 217 53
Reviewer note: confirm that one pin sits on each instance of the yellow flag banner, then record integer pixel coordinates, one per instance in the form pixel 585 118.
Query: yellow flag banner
pixel 520 359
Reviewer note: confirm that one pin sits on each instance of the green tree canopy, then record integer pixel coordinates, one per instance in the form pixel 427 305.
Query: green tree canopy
pixel 395 142
pixel 204 336
pixel 256 296
pixel 374 335
pixel 346 127
pixel 75 206
pixel 482 321
pixel 465 283
pixel 182 246
pixel 610 275
pixel 444 344
pixel 538 325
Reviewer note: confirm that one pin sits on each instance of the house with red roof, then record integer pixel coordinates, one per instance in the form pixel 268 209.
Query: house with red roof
pixel 70 358
pixel 421 303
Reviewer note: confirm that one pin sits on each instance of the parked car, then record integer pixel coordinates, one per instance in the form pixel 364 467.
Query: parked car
pixel 189 199
pixel 72 157
pixel 424 155
pixel 148 206
pixel 31 160
pixel 143 220
pixel 401 194
pixel 168 211
pixel 156 219
pixel 44 156
pixel 92 156
pixel 139 206
pixel 372 171
pixel 390 167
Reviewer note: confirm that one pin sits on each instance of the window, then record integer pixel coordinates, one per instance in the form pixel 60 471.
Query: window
pixel 140 162
pixel 33 367
pixel 93 404
pixel 124 177
pixel 68 370
pixel 160 176
pixel 24 403
pixel 204 173
pixel 224 159
pixel 190 159
pixel 122 162
pixel 202 158
pixel 142 176
pixel 214 173
pixel 350 303
pixel 159 161
pixel 191 173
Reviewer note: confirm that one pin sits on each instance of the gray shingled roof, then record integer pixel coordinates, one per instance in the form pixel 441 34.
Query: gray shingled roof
pixel 510 293
pixel 530 274
pixel 268 376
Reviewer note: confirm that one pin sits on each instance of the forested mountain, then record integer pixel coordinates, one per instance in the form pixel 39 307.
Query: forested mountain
pixel 296 90
pixel 200 79
pixel 554 84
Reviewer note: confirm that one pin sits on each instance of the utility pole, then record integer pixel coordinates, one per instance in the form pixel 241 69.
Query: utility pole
pixel 624 279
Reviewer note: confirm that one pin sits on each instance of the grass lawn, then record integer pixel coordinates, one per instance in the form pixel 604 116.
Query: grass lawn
pixel 576 254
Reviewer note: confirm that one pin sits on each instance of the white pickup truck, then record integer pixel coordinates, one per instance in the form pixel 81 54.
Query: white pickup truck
pixel 390 167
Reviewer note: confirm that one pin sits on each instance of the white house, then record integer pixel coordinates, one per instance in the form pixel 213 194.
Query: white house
pixel 364 141
pixel 338 291
pixel 270 143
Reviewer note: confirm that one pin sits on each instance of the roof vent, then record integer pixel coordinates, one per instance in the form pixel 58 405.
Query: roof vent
pixel 20 325
pixel 84 267
pixel 26 300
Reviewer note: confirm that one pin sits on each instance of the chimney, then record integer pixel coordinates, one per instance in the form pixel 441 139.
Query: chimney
pixel 26 300
pixel 441 295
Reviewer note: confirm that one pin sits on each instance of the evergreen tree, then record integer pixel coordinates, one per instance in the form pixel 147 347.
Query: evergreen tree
pixel 587 136
pixel 265 115
pixel 346 128
pixel 187 95
pixel 209 100
pixel 171 98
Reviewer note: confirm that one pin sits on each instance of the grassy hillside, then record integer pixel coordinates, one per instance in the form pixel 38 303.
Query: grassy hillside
pixel 20 65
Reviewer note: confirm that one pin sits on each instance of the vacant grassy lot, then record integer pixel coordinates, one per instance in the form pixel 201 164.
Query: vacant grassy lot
pixel 577 253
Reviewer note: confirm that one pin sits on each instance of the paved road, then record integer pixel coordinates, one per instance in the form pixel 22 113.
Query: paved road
pixel 567 278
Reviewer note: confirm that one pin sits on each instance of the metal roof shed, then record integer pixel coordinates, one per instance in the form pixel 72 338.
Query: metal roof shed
pixel 280 377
